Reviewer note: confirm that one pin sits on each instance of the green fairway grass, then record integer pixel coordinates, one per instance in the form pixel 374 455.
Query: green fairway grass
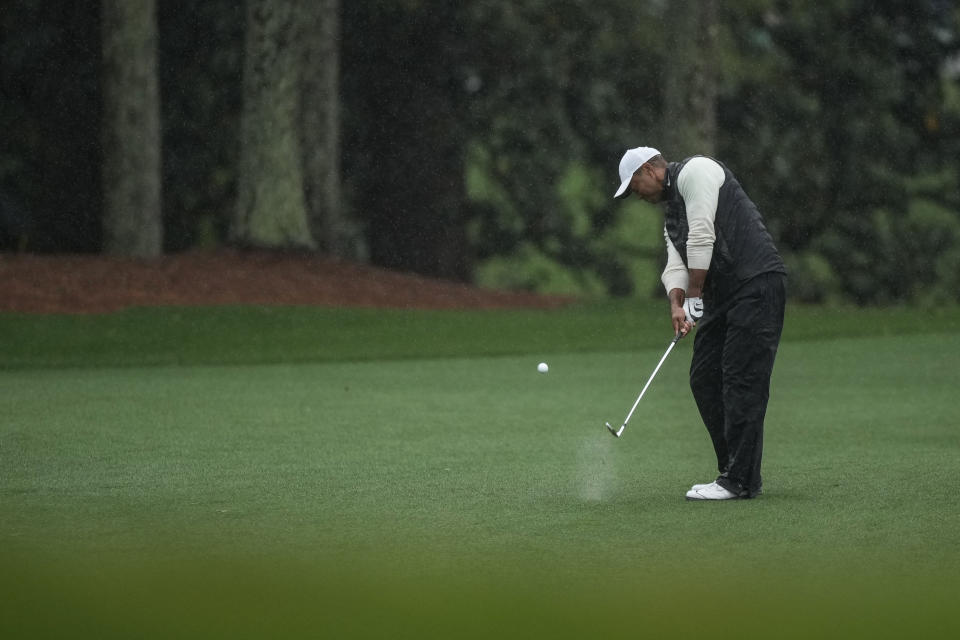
pixel 254 472
pixel 262 335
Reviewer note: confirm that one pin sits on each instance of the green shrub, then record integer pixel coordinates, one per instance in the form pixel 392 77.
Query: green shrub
pixel 811 278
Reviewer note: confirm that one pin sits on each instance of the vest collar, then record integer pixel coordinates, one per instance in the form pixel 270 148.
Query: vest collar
pixel 670 181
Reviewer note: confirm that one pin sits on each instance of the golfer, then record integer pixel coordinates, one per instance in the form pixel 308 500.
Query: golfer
pixel 725 277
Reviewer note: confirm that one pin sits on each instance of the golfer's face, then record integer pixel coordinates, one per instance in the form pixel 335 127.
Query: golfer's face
pixel 645 184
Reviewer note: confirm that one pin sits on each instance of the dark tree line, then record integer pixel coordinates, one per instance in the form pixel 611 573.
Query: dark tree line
pixel 480 140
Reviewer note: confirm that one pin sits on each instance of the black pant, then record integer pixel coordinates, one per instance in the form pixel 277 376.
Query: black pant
pixel 733 356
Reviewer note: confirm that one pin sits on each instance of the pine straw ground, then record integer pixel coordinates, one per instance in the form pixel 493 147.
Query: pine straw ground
pixel 98 284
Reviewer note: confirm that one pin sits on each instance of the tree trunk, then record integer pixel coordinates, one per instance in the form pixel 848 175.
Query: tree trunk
pixel 320 124
pixel 271 209
pixel 132 218
pixel 690 97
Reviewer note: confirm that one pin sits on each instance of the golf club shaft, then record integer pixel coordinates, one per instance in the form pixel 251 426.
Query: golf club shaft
pixel 652 375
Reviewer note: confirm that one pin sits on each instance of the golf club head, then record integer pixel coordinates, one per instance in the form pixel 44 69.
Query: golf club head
pixel 616 432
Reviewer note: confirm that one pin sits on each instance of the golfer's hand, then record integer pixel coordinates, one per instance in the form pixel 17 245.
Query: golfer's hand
pixel 679 316
pixel 693 310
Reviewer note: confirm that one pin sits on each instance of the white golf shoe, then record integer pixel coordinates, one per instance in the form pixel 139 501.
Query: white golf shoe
pixel 712 491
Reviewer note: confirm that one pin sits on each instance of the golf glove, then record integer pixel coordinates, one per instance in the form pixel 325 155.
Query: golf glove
pixel 694 309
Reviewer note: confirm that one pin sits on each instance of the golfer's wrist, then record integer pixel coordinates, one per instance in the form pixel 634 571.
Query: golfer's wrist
pixel 695 284
pixel 676 298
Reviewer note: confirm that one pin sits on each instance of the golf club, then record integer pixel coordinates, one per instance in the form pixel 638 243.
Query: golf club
pixel 618 432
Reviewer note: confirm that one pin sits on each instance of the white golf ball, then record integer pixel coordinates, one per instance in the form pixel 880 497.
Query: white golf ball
pixel 542 367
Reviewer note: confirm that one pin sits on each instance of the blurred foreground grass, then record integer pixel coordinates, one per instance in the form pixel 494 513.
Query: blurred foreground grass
pixel 182 598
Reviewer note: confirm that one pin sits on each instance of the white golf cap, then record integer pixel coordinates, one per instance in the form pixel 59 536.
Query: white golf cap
pixel 632 160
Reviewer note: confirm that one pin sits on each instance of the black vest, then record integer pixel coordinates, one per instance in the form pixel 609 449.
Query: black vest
pixel 743 249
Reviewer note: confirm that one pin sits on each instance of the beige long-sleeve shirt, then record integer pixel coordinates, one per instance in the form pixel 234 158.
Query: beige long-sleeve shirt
pixel 699 185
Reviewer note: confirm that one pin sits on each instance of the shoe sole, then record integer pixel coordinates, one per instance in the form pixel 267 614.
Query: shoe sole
pixel 696 487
